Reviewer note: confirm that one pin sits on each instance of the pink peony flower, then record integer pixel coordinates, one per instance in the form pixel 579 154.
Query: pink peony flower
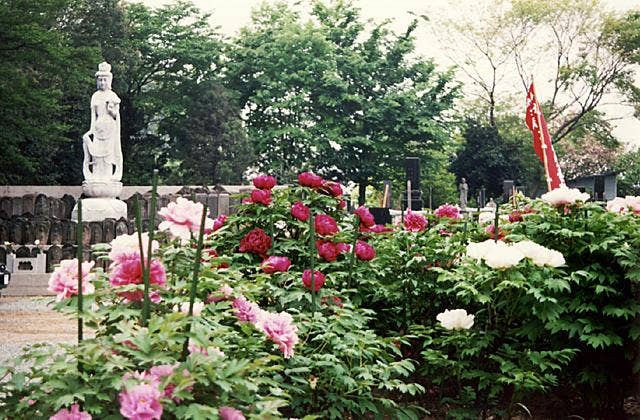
pixel 64 279
pixel 264 182
pixel 256 242
pixel 333 188
pixel 129 271
pixel 414 222
pixel 325 225
pixel 280 329
pixel 183 217
pixel 366 218
pixel 73 414
pixel 329 251
pixel 184 308
pixel 376 229
pixel 223 293
pixel 245 310
pixel 300 211
pixel 261 197
pixel 448 210
pixel 364 251
pixel 218 223
pixel 275 264
pixel 230 413
pixel 125 245
pixel 318 279
pixel 309 179
pixel 141 402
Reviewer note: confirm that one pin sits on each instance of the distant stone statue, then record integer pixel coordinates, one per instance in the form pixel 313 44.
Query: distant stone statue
pixel 101 144
pixel 102 165
pixel 464 191
pixel 491 204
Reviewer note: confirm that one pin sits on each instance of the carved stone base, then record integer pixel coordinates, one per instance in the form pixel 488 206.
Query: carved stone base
pixel 98 209
pixel 108 189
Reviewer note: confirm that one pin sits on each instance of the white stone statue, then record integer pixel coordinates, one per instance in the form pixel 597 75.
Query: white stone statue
pixel 102 165
pixel 101 144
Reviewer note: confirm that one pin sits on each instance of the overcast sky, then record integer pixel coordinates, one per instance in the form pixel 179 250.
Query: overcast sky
pixel 231 15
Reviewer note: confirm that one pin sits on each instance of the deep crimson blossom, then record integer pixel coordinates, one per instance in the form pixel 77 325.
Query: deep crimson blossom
pixel 318 279
pixel 309 179
pixel 129 271
pixel 366 218
pixel 325 225
pixel 275 264
pixel 230 413
pixel 333 188
pixel 209 254
pixel 264 182
pixel 261 197
pixel 141 402
pixel 364 251
pixel 342 204
pixel 328 250
pixel 300 211
pixel 414 222
pixel 256 242
pixel 73 414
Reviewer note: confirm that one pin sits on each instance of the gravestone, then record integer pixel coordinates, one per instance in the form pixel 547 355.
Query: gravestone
pixel 201 198
pixel 41 206
pixel 57 208
pixel 131 227
pixel 69 203
pixel 68 251
pixel 56 236
pixel 54 256
pixel 3 255
pixel 42 228
pixel 6 206
pixel 4 232
pixel 212 203
pixel 68 232
pixel 223 204
pixel 23 252
pixel 15 231
pixel 28 203
pixel 145 225
pixel 96 232
pixel 131 206
pixel 121 227
pixel 35 250
pixel 412 171
pixel 507 189
pixel 28 232
pixel 16 206
pixel 86 235
pixel 108 230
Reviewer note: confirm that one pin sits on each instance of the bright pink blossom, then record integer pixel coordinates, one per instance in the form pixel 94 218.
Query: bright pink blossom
pixel 141 402
pixel 218 222
pixel 325 225
pixel 256 242
pixel 230 413
pixel 223 293
pixel 300 211
pixel 64 279
pixel 183 217
pixel 448 210
pixel 261 197
pixel 129 271
pixel 309 179
pixel 264 182
pixel 329 251
pixel 279 327
pixel 73 414
pixel 318 279
pixel 366 218
pixel 275 264
pixel 364 251
pixel 245 310
pixel 376 229
pixel 414 222
pixel 342 204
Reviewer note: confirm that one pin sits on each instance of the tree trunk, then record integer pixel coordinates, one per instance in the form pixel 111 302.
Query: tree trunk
pixel 362 192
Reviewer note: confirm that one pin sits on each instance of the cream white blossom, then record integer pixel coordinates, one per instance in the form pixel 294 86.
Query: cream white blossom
pixel 564 195
pixel 503 256
pixel 486 217
pixel 478 250
pixel 456 319
pixel 624 205
pixel 184 308
pixel 539 254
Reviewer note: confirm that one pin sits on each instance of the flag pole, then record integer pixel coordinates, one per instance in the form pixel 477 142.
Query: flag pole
pixel 542 139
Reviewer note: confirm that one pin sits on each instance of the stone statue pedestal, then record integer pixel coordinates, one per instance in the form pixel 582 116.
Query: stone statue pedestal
pixel 98 209
pixel 100 189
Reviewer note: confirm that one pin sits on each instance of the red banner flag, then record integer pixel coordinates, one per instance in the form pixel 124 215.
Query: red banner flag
pixel 542 141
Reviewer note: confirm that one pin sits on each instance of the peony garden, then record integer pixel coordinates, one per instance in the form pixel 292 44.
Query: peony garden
pixel 293 307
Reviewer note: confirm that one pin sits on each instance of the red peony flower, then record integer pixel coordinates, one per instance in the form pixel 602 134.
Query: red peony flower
pixel 309 179
pixel 300 211
pixel 330 251
pixel 335 301
pixel 333 188
pixel 342 204
pixel 325 225
pixel 264 182
pixel 364 251
pixel 275 264
pixel 376 229
pixel 256 242
pixel 366 218
pixel 261 197
pixel 414 222
pixel 318 279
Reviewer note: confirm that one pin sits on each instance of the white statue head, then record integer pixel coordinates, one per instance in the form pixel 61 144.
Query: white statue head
pixel 104 76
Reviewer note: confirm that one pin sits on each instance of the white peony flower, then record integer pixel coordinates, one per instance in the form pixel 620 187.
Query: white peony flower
pixel 555 258
pixel 478 250
pixel 633 203
pixel 129 244
pixel 184 308
pixel 540 255
pixel 564 195
pixel 486 217
pixel 617 205
pixel 503 256
pixel 456 319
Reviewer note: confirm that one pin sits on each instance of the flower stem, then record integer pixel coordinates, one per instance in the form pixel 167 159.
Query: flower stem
pixel 79 238
pixel 495 223
pixel 152 226
pixel 312 256
pixel 143 267
pixel 352 260
pixel 194 280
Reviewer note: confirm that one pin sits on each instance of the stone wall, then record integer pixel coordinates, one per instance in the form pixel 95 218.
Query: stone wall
pixel 37 216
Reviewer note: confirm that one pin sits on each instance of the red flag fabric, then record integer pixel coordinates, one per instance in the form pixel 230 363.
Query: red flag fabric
pixel 542 141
